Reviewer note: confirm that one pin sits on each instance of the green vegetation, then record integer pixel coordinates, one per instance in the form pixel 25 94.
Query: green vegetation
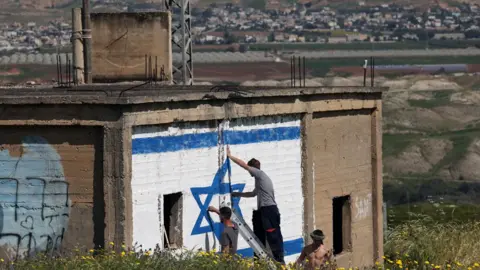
pixel 426 244
pixel 421 244
pixel 406 45
pixel 432 212
pixel 320 67
pixel 440 98
pixel 394 144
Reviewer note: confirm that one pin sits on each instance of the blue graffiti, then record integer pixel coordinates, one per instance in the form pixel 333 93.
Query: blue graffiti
pixel 220 188
pixel 34 202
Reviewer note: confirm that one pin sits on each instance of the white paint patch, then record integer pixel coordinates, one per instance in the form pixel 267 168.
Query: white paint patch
pixel 363 207
pixel 157 173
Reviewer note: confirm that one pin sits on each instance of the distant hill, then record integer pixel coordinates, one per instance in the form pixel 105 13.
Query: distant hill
pixel 48 4
pixel 44 10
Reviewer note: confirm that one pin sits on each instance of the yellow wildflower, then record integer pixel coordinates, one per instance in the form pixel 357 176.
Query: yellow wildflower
pixel 147 253
pixel 377 263
pixel 448 265
pixel 2 260
pixel 427 262
pixel 112 244
pixel 437 267
pixel 399 262
pixel 91 251
pixel 476 265
pixel 122 254
pixel 459 264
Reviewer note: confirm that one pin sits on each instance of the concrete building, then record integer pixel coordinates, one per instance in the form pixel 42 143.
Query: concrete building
pixel 100 163
pixel 131 46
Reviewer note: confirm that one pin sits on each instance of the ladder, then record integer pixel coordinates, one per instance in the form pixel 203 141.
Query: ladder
pixel 252 240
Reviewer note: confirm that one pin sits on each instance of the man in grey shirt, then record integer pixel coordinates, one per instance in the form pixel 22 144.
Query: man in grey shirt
pixel 229 238
pixel 266 219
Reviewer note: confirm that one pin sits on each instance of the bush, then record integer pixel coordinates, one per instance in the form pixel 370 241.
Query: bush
pixel 425 240
pixel 421 244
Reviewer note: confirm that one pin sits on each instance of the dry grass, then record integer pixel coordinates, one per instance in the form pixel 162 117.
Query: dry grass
pixel 443 244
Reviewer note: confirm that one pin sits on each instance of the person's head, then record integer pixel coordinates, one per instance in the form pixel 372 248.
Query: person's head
pixel 317 237
pixel 225 213
pixel 254 163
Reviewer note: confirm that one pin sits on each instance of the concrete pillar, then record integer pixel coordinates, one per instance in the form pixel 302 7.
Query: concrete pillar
pixel 77 46
pixel 377 182
pixel 117 178
pixel 308 177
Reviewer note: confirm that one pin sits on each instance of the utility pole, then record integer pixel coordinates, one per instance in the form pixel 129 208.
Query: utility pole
pixel 185 68
pixel 87 42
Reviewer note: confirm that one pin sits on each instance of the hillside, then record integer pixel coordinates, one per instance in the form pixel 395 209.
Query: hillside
pixel 432 129
pixel 431 125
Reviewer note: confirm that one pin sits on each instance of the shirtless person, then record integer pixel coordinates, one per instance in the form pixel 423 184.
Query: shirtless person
pixel 316 253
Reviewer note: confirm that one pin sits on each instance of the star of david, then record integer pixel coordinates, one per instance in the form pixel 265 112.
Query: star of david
pixel 217 187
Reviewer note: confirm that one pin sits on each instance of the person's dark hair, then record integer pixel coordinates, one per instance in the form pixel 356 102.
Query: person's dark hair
pixel 317 235
pixel 226 212
pixel 254 163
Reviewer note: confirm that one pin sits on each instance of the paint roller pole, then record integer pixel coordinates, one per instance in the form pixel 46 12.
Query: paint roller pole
pixel 229 169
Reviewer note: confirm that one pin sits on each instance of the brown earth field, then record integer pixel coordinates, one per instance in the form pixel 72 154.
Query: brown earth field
pixel 213 72
pixel 231 72
pixel 29 72
pixel 240 72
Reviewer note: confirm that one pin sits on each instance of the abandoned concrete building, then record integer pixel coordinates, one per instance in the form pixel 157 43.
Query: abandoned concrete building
pixel 99 163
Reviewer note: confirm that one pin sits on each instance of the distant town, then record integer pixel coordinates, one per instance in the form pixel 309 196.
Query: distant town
pixel 227 24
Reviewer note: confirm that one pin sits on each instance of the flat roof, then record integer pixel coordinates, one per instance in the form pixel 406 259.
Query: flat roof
pixel 138 93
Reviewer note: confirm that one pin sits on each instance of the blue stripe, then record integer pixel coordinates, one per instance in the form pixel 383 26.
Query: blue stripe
pixel 161 144
pixel 262 135
pixel 291 247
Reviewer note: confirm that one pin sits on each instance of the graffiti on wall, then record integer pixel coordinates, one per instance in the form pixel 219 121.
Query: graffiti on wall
pixel 363 207
pixel 34 202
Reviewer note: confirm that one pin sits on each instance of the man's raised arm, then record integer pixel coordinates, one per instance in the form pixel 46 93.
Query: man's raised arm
pixel 245 194
pixel 237 161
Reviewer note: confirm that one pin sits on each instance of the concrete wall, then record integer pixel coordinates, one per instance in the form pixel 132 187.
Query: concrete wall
pixel 120 42
pixel 46 188
pixel 185 158
pixel 315 143
pixel 343 166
